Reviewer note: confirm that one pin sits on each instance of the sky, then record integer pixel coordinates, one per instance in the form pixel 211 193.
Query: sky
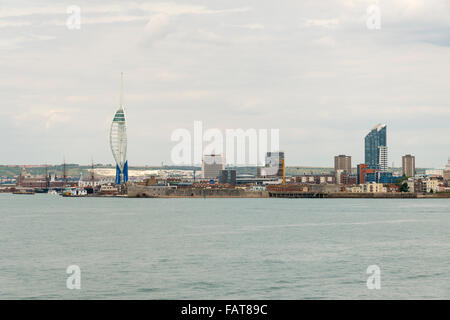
pixel 312 69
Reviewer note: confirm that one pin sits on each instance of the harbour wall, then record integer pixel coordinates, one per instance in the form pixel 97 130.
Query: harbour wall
pixel 137 191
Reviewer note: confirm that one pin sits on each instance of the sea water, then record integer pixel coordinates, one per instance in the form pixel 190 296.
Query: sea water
pixel 223 248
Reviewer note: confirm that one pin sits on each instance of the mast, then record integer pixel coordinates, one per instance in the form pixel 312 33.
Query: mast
pixel 122 175
pixel 64 173
pixel 92 173
pixel 121 91
pixel 21 176
pixel 46 176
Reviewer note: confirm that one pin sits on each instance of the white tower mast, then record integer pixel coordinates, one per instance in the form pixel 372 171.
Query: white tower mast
pixel 118 138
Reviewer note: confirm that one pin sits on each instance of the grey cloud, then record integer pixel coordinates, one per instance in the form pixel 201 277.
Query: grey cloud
pixel 322 83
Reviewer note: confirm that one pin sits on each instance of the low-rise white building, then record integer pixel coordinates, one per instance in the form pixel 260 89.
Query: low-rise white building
pixel 371 187
pixel 258 188
pixel 374 187
pixel 434 172
pixel 82 183
pixel 431 185
pixel 355 189
pixel 411 185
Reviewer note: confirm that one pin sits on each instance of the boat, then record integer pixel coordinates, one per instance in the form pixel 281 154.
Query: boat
pixel 23 191
pixel 74 192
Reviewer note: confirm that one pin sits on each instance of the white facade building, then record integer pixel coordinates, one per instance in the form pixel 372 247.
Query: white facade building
pixel 383 156
pixel 371 187
pixel 434 172
pixel 431 185
pixel 411 185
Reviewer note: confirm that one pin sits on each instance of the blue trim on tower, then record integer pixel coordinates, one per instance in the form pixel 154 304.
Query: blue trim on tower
pixel 125 172
pixel 117 174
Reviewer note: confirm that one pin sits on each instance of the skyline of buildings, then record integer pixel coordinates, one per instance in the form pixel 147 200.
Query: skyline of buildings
pixel 375 140
pixel 373 178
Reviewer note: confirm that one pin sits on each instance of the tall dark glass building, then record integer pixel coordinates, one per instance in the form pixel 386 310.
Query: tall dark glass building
pixel 376 148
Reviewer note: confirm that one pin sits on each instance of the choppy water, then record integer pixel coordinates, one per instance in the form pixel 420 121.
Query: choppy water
pixel 223 248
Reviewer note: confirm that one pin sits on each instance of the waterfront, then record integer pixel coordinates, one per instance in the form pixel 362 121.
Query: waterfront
pixel 223 248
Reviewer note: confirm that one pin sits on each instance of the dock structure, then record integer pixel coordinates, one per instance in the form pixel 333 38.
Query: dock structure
pixel 139 191
pixel 329 191
pixel 293 194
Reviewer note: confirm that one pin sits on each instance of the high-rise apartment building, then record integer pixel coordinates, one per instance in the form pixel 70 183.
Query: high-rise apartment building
pixel 273 165
pixel 343 162
pixel 409 165
pixel 383 158
pixel 376 156
pixel 212 165
pixel 447 171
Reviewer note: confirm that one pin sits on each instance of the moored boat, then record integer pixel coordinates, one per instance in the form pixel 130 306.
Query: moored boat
pixel 23 191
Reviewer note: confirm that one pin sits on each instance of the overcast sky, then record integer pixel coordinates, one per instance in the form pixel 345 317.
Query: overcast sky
pixel 310 68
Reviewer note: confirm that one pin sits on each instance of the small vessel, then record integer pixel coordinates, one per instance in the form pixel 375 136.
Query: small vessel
pixel 74 192
pixel 23 191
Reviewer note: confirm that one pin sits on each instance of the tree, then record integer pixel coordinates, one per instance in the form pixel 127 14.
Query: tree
pixel 404 187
